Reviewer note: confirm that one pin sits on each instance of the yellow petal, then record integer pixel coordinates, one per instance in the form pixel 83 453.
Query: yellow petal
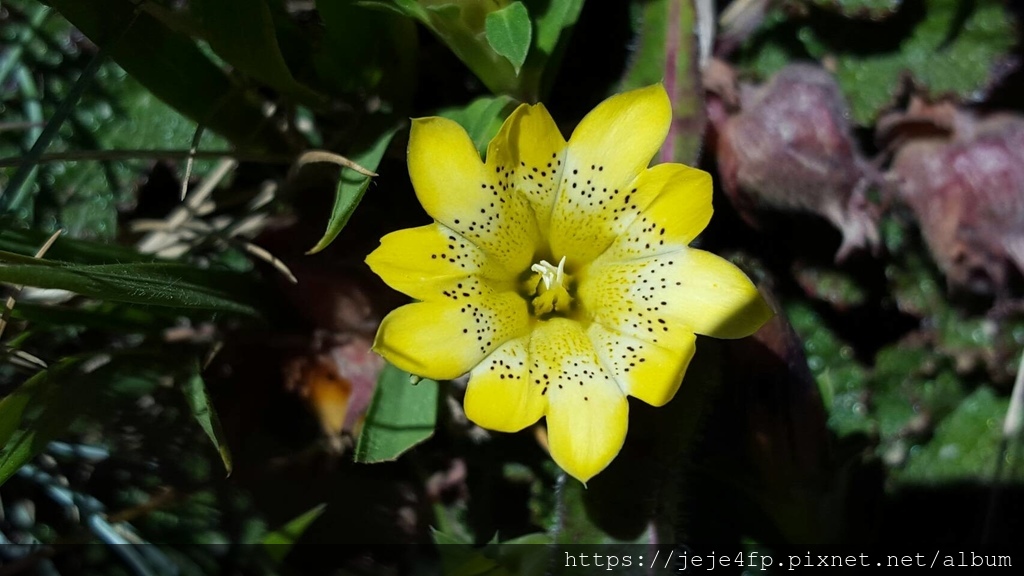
pixel 679 212
pixel 433 261
pixel 646 371
pixel 661 298
pixel 532 148
pixel 587 411
pixel 443 340
pixel 502 395
pixel 458 190
pixel 611 146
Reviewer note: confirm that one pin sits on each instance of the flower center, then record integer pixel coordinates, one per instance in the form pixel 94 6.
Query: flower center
pixel 549 288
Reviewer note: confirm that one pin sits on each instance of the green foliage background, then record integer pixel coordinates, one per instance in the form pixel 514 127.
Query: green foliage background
pixel 886 399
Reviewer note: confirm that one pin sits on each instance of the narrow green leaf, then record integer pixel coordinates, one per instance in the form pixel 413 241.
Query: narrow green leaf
pixel 202 410
pixel 481 118
pixel 66 249
pixel 148 283
pixel 55 399
pixel 242 32
pixel 103 316
pixel 509 32
pixel 280 542
pixel 351 188
pixel 14 405
pixel 173 68
pixel 401 415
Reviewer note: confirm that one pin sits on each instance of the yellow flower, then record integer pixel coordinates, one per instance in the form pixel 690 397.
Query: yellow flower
pixel 558 274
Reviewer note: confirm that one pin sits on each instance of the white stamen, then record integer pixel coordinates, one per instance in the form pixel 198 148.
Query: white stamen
pixel 549 274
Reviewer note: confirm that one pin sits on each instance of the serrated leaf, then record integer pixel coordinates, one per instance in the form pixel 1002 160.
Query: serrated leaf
pixel 351 188
pixel 147 283
pixel 281 541
pixel 242 32
pixel 202 409
pixel 481 118
pixel 965 447
pixel 950 50
pixel 942 54
pixel 509 32
pixel 400 416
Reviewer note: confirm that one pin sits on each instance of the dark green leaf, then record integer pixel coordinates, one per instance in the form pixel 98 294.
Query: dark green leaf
pixel 27 242
pixel 170 65
pixel 242 32
pixel 863 9
pixel 14 405
pixel 153 284
pixel 527 555
pixel 202 410
pixel 55 399
pixel 509 32
pixel 365 49
pixel 108 317
pixel 966 446
pixel 401 415
pixel 351 188
pixel 460 26
pixel 280 542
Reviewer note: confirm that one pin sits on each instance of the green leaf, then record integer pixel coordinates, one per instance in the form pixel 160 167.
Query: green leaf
pixel 202 410
pixel 55 399
pixel 400 416
pixel 527 555
pixel 14 405
pixel 481 118
pixel 861 9
pixel 950 50
pixel 460 25
pixel 171 66
pixel 667 53
pixel 966 446
pixel 351 188
pixel 242 32
pixel 103 316
pixel 365 49
pixel 152 284
pixel 552 19
pixel 27 242
pixel 280 542
pixel 553 22
pixel 509 32
pixel 942 55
